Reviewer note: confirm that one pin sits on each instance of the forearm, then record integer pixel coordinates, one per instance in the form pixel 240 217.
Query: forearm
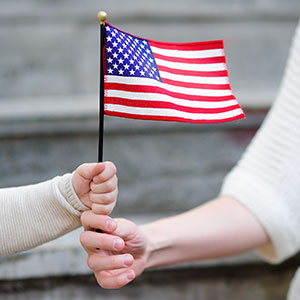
pixel 32 215
pixel 219 228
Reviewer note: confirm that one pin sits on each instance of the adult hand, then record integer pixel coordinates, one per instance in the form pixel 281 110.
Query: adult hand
pixel 96 185
pixel 116 255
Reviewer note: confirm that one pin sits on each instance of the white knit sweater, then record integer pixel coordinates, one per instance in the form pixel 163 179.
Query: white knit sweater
pixel 267 178
pixel 34 214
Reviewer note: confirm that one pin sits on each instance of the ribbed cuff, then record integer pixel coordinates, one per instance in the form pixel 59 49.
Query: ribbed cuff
pixel 270 210
pixel 65 186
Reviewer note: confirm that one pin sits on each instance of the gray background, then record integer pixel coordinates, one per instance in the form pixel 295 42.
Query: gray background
pixel 48 126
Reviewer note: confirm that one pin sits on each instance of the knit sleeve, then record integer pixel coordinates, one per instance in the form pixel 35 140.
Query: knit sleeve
pixel 34 214
pixel 267 178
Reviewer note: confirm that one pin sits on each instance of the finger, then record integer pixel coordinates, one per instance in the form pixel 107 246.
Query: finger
pixel 106 198
pixel 108 172
pixel 89 170
pixel 105 187
pixel 91 220
pixel 108 280
pixel 91 240
pixel 103 209
pixel 125 229
pixel 101 263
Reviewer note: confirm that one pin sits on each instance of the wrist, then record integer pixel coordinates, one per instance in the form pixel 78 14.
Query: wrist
pixel 157 245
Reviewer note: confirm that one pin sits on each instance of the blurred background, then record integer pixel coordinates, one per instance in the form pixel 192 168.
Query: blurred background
pixel 48 126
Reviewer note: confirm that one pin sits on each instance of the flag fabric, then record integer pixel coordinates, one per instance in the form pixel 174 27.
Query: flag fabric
pixel 185 82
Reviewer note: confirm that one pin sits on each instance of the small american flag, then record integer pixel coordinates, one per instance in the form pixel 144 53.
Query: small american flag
pixel 185 82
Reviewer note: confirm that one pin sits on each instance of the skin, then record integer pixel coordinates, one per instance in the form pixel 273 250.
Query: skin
pixel 96 185
pixel 123 250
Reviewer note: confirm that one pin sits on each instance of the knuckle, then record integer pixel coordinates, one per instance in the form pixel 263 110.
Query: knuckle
pixel 112 166
pixel 109 186
pixel 107 198
pixel 115 262
pixel 91 262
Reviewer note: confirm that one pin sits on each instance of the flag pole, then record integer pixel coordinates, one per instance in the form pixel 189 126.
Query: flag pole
pixel 101 17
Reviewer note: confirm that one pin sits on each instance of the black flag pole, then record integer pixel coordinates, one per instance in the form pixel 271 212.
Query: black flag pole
pixel 102 17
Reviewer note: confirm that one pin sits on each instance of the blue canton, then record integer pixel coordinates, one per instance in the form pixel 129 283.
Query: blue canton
pixel 129 56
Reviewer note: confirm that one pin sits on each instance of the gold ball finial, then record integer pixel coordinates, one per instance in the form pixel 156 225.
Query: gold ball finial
pixel 102 15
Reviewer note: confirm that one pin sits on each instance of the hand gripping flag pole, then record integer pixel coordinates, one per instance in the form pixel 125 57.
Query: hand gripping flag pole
pixel 102 17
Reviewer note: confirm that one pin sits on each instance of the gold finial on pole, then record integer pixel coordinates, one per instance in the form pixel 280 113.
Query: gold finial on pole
pixel 102 15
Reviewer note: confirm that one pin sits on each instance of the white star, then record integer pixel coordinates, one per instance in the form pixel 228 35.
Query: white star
pixel 151 60
pixel 137 67
pixel 131 61
pixel 115 44
pixel 121 72
pixel 121 60
pixel 115 55
pixel 150 75
pixel 115 66
pixel 124 45
pixel 126 55
pixel 142 73
pixel 109 38
pixel 110 70
pixel 157 77
pixel 109 60
pixel 113 34
pixel 145 42
pixel 119 40
pixel 109 49
pixel 134 56
pixel 107 28
pixel 126 67
pixel 148 51
pixel 120 50
pixel 131 72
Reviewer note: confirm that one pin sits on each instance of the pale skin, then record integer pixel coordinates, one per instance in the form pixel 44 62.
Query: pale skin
pixel 219 228
pixel 96 185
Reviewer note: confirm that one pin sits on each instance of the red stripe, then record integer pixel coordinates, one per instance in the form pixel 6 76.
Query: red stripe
pixel 151 89
pixel 209 45
pixel 223 73
pixel 173 119
pixel 206 45
pixel 197 85
pixel 167 105
pixel 209 60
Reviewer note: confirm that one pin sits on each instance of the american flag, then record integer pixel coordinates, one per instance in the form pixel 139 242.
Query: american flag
pixel 186 82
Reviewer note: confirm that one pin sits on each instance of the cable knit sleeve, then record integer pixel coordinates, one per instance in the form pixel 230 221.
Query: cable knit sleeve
pixel 34 214
pixel 267 178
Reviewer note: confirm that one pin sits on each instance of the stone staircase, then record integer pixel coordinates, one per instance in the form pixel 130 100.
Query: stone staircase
pixel 48 126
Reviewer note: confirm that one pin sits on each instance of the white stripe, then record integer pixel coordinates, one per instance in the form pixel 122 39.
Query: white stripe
pixel 191 67
pixel 169 99
pixel 171 112
pixel 194 79
pixel 171 88
pixel 188 53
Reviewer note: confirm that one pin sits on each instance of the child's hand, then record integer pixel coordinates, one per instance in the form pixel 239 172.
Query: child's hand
pixel 96 185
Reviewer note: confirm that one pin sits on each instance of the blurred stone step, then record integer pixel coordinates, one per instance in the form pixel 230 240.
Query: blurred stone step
pixel 162 166
pixel 51 47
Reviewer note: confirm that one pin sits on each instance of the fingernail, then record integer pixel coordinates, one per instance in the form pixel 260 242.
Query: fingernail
pixel 96 180
pixel 118 244
pixel 130 276
pixel 127 261
pixel 110 225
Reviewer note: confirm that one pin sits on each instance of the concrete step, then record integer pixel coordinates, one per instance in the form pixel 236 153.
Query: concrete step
pixel 162 166
pixel 51 47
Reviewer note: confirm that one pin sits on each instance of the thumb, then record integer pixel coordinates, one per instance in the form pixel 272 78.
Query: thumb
pixel 89 170
pixel 126 229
